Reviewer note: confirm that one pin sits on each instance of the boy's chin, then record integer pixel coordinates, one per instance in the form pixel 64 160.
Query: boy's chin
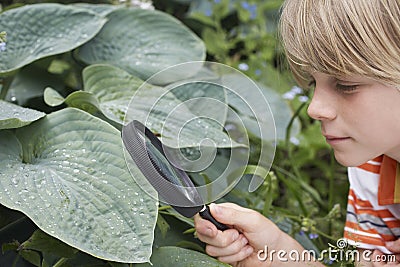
pixel 349 160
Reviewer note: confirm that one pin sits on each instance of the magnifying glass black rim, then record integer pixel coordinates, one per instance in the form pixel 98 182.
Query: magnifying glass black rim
pixel 180 193
pixel 167 189
pixel 139 127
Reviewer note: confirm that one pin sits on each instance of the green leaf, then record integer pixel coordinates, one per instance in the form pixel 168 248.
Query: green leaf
pixel 10 246
pixel 44 243
pixel 41 30
pixel 162 225
pixel 203 98
pixel 31 256
pixel 143 42
pixel 30 82
pixel 203 18
pixel 14 116
pixel 181 257
pixel 215 41
pixel 280 109
pixel 52 97
pixel 121 96
pixel 101 9
pixel 113 87
pixel 67 172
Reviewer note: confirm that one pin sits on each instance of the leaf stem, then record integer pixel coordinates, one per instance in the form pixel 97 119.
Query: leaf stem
pixel 16 260
pixel 287 138
pixel 331 187
pixel 6 82
pixel 60 262
pixel 325 235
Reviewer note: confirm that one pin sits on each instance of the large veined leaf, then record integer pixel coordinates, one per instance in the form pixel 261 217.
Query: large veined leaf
pixel 122 97
pixel 113 87
pixel 41 30
pixel 29 83
pixel 67 173
pixel 256 101
pixel 203 98
pixel 181 257
pixel 101 9
pixel 14 116
pixel 143 42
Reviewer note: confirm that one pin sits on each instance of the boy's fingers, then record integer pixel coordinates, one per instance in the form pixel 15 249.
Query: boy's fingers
pixel 394 246
pixel 231 249
pixel 376 254
pixel 233 214
pixel 240 256
pixel 204 227
pixel 222 239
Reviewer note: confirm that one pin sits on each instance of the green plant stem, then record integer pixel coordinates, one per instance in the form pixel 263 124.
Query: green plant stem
pixel 290 150
pixel 295 193
pixel 60 262
pixel 302 184
pixel 16 260
pixel 268 197
pixel 6 82
pixel 331 188
pixel 321 233
pixel 287 139
pixel 166 207
pixel 331 181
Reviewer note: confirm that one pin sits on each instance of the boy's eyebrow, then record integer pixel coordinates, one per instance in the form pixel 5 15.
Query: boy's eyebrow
pixel 354 79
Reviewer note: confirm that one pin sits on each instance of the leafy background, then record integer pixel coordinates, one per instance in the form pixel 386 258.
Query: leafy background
pixel 68 72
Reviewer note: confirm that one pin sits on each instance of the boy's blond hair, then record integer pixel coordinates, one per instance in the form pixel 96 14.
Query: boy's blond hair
pixel 342 37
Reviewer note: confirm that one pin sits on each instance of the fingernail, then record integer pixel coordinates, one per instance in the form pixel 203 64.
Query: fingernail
pixel 249 250
pixel 216 208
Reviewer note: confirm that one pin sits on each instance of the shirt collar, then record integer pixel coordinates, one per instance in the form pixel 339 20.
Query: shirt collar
pixel 389 182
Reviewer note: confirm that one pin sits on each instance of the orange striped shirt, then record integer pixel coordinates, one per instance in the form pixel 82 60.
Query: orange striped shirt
pixel 373 209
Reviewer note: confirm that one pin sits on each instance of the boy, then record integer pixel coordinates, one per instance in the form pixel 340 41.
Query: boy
pixel 349 51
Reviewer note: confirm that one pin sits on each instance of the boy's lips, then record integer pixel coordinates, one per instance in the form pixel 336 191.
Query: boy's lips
pixel 331 139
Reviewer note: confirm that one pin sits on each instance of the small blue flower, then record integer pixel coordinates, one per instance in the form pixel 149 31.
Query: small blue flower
pixel 313 235
pixel 3 47
pixel 253 11
pixel 245 5
pixel 208 12
pixel 297 90
pixel 217 1
pixel 303 98
pixel 301 232
pixel 243 66
pixel 328 262
pixel 257 72
pixel 294 141
pixel 289 95
pixel 252 8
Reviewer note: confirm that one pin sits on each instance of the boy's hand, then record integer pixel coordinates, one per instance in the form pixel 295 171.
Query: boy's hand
pixel 393 246
pixel 238 246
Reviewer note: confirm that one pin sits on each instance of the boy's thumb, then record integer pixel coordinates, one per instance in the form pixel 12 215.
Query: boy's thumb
pixel 232 214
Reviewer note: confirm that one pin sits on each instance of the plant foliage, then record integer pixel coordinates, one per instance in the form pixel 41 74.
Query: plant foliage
pixel 68 73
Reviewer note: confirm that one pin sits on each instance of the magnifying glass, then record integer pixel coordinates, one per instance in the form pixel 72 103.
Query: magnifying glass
pixel 172 184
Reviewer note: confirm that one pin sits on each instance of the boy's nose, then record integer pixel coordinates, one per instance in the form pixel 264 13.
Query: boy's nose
pixel 321 106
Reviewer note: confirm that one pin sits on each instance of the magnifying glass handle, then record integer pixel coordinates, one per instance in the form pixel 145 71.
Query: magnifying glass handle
pixel 206 214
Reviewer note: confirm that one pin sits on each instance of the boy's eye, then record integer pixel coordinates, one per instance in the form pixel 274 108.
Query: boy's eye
pixel 346 88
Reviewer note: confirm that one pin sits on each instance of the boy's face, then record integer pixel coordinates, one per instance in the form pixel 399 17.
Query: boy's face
pixel 360 118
